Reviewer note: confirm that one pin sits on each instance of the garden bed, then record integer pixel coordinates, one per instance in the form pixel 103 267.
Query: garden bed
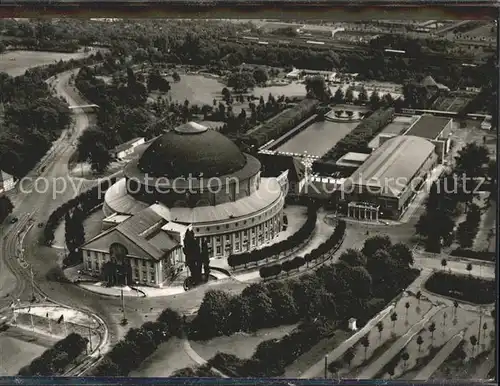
pixel 461 287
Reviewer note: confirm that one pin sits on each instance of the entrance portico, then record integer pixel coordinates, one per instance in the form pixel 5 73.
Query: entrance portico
pixel 363 211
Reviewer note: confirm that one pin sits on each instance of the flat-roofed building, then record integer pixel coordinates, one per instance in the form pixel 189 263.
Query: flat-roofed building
pixel 352 160
pixel 435 129
pixel 389 178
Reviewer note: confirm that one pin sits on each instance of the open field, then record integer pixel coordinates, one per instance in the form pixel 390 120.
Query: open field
pixel 16 63
pixel 242 345
pixel 201 90
pixel 483 31
pixel 451 103
pixel 318 138
pixel 16 353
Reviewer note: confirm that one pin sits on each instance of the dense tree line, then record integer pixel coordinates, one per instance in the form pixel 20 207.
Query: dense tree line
pixel 56 359
pixel 293 241
pixel 6 207
pixel 282 123
pixel 128 354
pixel 336 292
pixel 458 186
pixel 354 287
pixel 33 118
pixel 85 201
pixel 328 247
pixel 357 140
pixel 203 42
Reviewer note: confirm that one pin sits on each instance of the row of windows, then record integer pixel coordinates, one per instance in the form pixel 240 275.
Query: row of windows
pixel 244 222
pixel 136 272
pixel 134 262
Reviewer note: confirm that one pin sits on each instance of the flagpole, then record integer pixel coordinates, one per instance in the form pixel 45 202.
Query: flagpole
pixel 90 339
pixel 50 324
pixel 31 317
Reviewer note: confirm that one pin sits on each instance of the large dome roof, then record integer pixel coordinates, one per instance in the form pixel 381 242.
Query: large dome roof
pixel 191 150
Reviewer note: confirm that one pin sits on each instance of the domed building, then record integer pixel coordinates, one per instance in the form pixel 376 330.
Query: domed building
pixel 189 178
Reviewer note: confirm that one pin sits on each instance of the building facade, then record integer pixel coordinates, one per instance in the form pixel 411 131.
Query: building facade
pixel 216 190
pixel 6 181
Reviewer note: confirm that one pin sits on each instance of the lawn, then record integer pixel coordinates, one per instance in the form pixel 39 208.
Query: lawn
pixel 16 63
pixel 242 345
pixel 168 358
pixel 483 31
pixel 201 90
pixel 318 138
pixel 16 353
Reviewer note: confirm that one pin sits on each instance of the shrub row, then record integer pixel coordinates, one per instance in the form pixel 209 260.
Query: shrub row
pixel 331 243
pixel 55 360
pixel 463 287
pixel 86 201
pixel 282 123
pixel 291 242
pixel 358 139
pixel 128 354
pixel 471 254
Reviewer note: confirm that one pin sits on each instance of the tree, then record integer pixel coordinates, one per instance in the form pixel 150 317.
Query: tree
pixel 394 318
pixel 405 357
pixel 375 100
pixel 241 81
pixel 260 75
pixel 316 87
pixel 348 356
pixel 349 114
pixel 353 257
pixel 401 254
pixel 471 160
pixel 205 259
pixel 349 95
pixel 407 306
pixel 375 243
pixel 213 314
pixel 380 328
pixel 338 97
pixel 419 342
pixel 444 263
pixel 6 207
pixel 391 371
pixel 473 342
pixel 485 327
pixel 261 306
pixel 469 268
pixel 362 96
pixel 432 328
pixel 365 342
pixel 193 255
pixel 176 77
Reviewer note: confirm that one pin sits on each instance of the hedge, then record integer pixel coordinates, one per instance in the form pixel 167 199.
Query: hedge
pixel 291 242
pixel 282 123
pixel 128 354
pixel 289 265
pixel 87 201
pixel 56 359
pixel 470 254
pixel 358 139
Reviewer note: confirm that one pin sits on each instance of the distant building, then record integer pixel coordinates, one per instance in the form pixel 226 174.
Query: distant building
pixel 6 181
pixel 429 82
pixel 352 160
pixel 127 148
pixel 295 74
pixel 486 124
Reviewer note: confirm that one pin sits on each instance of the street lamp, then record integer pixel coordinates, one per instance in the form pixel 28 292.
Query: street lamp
pixel 326 366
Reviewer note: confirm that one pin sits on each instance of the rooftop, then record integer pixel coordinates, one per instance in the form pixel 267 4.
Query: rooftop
pixel 141 234
pixel 126 145
pixel 392 166
pixel 275 164
pixel 428 126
